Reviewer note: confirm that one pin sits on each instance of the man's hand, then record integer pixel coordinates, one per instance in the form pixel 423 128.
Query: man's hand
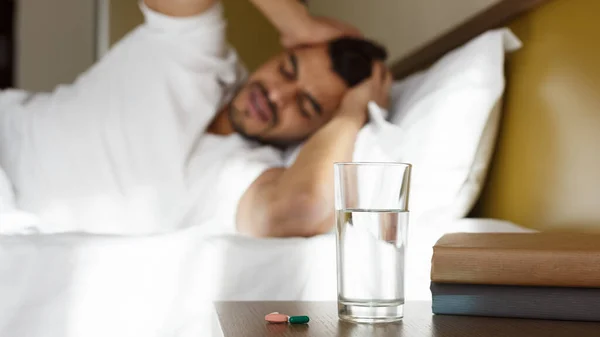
pixel 317 30
pixel 376 89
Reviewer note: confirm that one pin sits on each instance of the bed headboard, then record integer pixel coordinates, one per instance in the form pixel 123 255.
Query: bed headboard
pixel 545 172
pixel 496 16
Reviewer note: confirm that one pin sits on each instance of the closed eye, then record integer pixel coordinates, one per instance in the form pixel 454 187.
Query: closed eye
pixel 309 107
pixel 303 108
pixel 289 67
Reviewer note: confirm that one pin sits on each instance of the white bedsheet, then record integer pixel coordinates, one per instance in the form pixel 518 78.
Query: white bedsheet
pixel 81 285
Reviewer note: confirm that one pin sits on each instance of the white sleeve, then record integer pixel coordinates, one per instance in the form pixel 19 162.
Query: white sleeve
pixel 168 65
pixel 169 72
pixel 168 75
pixel 130 120
pixel 239 172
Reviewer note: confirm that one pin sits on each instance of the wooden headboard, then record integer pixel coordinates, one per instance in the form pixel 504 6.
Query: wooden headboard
pixel 545 172
pixel 496 16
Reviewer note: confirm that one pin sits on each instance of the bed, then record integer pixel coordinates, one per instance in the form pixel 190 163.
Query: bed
pixel 544 175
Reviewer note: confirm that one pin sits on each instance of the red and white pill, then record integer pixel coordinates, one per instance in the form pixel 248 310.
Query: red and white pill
pixel 276 317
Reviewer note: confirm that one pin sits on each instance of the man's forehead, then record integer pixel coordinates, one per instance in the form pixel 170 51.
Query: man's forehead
pixel 317 74
pixel 315 53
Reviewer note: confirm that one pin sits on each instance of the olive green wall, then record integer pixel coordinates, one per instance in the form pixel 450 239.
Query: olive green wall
pixel 250 33
pixel 124 15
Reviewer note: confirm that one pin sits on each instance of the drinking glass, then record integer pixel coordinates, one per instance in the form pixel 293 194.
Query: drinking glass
pixel 371 203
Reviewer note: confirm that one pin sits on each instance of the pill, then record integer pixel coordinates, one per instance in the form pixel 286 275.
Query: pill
pixel 276 318
pixel 298 319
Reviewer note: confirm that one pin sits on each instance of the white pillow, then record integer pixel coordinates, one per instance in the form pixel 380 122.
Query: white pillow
pixel 447 118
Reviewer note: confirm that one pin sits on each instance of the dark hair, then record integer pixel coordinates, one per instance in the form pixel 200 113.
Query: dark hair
pixel 352 58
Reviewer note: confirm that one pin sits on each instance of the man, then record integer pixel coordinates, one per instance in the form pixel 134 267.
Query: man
pixel 159 135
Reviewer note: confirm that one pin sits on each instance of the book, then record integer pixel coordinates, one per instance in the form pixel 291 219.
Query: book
pixel 555 303
pixel 528 259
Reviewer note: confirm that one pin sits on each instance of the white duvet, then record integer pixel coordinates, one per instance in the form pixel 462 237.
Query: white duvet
pixel 163 285
pixel 81 285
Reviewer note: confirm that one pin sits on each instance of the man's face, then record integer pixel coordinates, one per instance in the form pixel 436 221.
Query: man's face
pixel 288 98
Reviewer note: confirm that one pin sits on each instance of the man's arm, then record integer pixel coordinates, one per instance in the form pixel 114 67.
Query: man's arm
pixel 299 200
pixel 180 8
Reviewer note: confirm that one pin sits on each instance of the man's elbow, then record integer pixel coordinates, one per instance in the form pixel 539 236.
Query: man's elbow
pixel 304 214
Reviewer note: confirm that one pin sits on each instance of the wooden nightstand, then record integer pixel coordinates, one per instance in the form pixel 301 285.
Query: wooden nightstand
pixel 246 319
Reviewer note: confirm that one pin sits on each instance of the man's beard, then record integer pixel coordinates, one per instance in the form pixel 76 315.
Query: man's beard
pixel 235 118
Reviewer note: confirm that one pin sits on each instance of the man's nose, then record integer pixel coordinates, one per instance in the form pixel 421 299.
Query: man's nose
pixel 283 94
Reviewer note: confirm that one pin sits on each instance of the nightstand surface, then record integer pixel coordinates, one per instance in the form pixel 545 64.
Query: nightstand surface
pixel 246 319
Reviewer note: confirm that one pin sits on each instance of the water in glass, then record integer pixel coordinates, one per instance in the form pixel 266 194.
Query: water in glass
pixel 371 248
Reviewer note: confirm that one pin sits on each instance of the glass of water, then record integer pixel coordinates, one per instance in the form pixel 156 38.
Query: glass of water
pixel 371 203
